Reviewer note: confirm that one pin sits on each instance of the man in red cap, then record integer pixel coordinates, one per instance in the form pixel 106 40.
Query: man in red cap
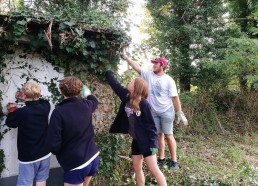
pixel 165 103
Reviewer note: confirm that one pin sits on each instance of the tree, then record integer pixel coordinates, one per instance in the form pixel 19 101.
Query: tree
pixel 240 62
pixel 72 9
pixel 185 31
pixel 243 59
pixel 112 8
pixel 244 13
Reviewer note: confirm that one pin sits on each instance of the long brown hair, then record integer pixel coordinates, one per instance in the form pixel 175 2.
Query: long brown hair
pixel 140 91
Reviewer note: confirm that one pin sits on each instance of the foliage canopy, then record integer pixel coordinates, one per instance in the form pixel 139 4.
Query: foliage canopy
pixel 199 38
pixel 91 35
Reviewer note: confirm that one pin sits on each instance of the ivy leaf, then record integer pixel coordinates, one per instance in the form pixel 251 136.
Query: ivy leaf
pixel 41 35
pixel 69 23
pixel 22 22
pixel 108 67
pixel 28 19
pixel 34 45
pixel 94 57
pixel 77 68
pixel 57 69
pixel 2 79
pixel 62 26
pixel 92 44
pixel 79 31
pixel 69 49
pixel 92 65
pixel 85 52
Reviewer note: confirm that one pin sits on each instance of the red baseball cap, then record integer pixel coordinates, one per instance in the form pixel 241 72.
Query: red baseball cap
pixel 161 60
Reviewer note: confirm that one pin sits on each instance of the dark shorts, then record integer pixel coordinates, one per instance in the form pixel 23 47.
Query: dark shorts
pixel 136 150
pixel 77 176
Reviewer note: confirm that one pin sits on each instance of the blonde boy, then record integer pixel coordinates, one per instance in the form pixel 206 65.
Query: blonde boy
pixel 32 123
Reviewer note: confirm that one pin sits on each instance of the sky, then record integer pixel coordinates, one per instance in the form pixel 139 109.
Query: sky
pixel 136 13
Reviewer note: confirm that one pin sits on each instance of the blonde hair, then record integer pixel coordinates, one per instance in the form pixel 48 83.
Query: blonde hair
pixel 70 86
pixel 31 90
pixel 140 91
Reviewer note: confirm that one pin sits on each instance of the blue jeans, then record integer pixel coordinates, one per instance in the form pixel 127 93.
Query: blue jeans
pixel 164 121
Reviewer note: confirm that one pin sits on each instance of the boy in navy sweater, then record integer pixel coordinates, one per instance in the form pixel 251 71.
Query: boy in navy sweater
pixel 71 134
pixel 32 123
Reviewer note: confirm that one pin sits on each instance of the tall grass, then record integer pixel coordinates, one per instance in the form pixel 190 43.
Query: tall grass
pixel 216 148
pixel 221 113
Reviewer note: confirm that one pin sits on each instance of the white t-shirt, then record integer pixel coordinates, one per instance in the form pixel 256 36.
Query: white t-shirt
pixel 161 90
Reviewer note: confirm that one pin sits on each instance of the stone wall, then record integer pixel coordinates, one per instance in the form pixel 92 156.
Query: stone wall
pixel 22 67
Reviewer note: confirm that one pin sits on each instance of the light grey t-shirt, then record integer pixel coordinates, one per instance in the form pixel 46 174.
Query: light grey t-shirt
pixel 161 90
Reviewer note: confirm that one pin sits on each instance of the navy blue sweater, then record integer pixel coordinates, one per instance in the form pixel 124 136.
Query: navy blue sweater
pixel 145 129
pixel 32 123
pixel 71 135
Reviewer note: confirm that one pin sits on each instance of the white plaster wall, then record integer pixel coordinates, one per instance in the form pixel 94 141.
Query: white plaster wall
pixel 19 69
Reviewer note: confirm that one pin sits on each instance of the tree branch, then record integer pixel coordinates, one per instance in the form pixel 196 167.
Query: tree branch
pixel 251 19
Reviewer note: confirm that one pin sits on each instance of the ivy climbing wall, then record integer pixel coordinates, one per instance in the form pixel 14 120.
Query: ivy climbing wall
pixel 22 67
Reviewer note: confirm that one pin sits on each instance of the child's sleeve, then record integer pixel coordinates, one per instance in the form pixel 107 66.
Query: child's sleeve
pixel 13 119
pixel 54 136
pixel 92 102
pixel 116 86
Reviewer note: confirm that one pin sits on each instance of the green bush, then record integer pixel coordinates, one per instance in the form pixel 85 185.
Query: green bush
pixel 224 112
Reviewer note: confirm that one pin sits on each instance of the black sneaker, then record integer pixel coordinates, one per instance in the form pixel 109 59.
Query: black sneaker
pixel 161 162
pixel 173 165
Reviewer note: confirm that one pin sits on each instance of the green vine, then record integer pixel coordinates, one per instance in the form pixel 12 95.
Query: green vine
pixel 95 48
pixel 2 132
pixel 2 165
pixel 88 44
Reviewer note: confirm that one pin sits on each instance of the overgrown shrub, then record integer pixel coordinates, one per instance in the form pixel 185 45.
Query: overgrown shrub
pixel 115 164
pixel 223 112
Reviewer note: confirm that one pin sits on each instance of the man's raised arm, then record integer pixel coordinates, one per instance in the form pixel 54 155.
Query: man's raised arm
pixel 131 62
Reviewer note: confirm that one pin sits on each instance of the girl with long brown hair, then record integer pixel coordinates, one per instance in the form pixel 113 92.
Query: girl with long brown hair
pixel 134 118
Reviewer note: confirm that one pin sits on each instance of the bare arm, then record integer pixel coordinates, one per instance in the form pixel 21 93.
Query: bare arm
pixel 132 63
pixel 180 115
pixel 176 103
